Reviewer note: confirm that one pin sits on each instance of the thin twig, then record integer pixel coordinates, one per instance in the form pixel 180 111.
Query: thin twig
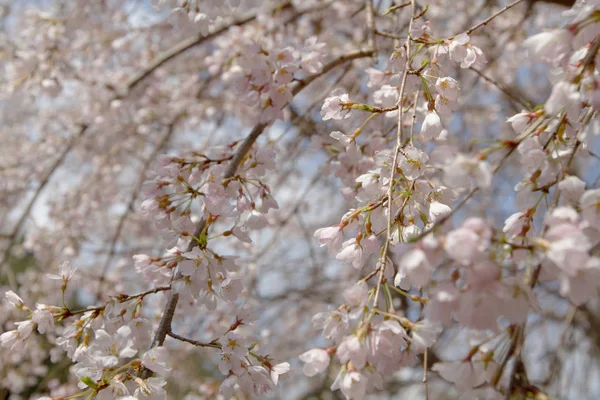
pixel 214 344
pixel 396 7
pixel 503 89
pixel 121 299
pixel 399 144
pixel 493 16
pixel 387 34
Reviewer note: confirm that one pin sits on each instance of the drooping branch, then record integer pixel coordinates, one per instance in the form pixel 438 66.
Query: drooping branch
pixel 4 267
pixel 199 39
pixel 518 99
pixel 169 311
pixel 181 47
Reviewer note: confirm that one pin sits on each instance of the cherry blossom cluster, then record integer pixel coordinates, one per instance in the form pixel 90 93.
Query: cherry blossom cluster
pixel 242 198
pixel 261 76
pixel 102 342
pixel 196 15
pixel 107 346
pixel 369 348
pixel 480 277
pixel 426 134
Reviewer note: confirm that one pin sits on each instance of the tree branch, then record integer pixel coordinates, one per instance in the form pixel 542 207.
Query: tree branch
pixel 182 47
pixel 164 326
pixel 17 228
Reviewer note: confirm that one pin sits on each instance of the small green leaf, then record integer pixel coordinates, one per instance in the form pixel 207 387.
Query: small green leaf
pixel 89 382
pixel 202 240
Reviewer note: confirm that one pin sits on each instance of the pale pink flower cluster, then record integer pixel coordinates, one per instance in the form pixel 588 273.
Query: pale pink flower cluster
pixel 417 263
pixel 463 52
pixel 567 243
pixel 196 15
pixel 258 378
pixel 109 339
pixel 369 349
pixel 262 78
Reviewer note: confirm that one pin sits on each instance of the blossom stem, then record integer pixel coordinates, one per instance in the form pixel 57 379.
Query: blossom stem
pixel 410 296
pixel 399 141
pixel 387 314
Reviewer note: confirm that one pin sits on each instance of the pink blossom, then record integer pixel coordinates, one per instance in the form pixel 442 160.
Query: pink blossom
pixel 424 334
pixel 415 267
pixel 565 97
pixel 590 207
pixel 448 88
pixel 156 360
pixel 352 253
pixel 151 388
pixel 227 388
pixel 14 299
pixel 444 300
pixel 515 224
pixel 463 245
pixel 354 350
pixel 334 107
pixel 438 211
pixel 353 385
pixel 313 55
pixel 107 348
pixel 335 324
pixel 413 162
pixel 357 294
pixel 234 344
pixel 431 127
pixel 465 374
pixel 550 47
pixel 43 318
pixel 331 237
pixel 66 272
pixel 15 340
pixel 279 369
pixel 317 361
pixel 464 53
pixel 520 121
pixel 571 189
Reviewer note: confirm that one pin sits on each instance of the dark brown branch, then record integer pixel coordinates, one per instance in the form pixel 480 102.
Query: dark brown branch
pixel 213 344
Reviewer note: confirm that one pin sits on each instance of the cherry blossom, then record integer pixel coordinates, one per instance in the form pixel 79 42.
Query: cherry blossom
pixel 407 189
pixel 317 361
pixel 336 107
